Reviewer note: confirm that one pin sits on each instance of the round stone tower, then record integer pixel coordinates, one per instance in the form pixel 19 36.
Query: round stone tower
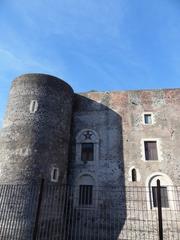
pixel 33 146
pixel 36 130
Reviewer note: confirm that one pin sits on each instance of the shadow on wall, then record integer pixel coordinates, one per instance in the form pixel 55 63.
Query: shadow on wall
pixel 102 214
pixel 35 137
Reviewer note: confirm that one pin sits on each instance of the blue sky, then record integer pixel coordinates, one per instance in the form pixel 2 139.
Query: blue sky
pixel 92 44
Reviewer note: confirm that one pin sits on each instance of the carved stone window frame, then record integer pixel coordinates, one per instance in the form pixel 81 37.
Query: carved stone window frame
pixel 87 136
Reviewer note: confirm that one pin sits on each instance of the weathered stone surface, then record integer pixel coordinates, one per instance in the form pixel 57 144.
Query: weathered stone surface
pixel 41 127
pixel 34 139
pixel 33 142
pixel 118 121
pixel 117 117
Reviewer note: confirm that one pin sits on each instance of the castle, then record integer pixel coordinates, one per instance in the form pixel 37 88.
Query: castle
pixel 93 140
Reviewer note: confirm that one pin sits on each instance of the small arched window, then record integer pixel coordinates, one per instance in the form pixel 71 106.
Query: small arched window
pixel 134 175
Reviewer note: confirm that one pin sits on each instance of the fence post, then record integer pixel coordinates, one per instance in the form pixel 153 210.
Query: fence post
pixel 159 210
pixel 38 210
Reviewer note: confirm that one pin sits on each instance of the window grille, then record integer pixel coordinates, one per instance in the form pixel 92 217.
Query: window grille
pixel 85 194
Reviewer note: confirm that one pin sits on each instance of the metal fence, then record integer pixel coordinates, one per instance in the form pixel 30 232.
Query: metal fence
pixel 52 212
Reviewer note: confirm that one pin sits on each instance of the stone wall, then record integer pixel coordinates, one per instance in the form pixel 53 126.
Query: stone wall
pixel 36 130
pixel 117 117
pixel 34 144
pixel 118 120
pixel 44 115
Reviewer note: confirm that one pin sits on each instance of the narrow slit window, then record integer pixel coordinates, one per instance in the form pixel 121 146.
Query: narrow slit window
pixel 55 174
pixel 148 118
pixel 33 106
pixel 151 150
pixel 164 197
pixel 134 175
pixel 87 152
pixel 85 194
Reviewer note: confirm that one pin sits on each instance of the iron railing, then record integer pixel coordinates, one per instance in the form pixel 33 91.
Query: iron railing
pixel 53 212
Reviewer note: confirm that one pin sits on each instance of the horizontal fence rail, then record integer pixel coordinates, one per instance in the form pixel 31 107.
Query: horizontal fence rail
pixel 85 212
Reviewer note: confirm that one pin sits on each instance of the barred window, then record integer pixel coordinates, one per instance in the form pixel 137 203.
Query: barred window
pixel 85 194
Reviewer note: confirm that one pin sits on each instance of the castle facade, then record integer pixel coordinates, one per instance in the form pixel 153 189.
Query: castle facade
pixel 93 140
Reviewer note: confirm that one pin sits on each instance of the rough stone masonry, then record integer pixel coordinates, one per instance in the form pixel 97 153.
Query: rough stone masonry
pixel 107 140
